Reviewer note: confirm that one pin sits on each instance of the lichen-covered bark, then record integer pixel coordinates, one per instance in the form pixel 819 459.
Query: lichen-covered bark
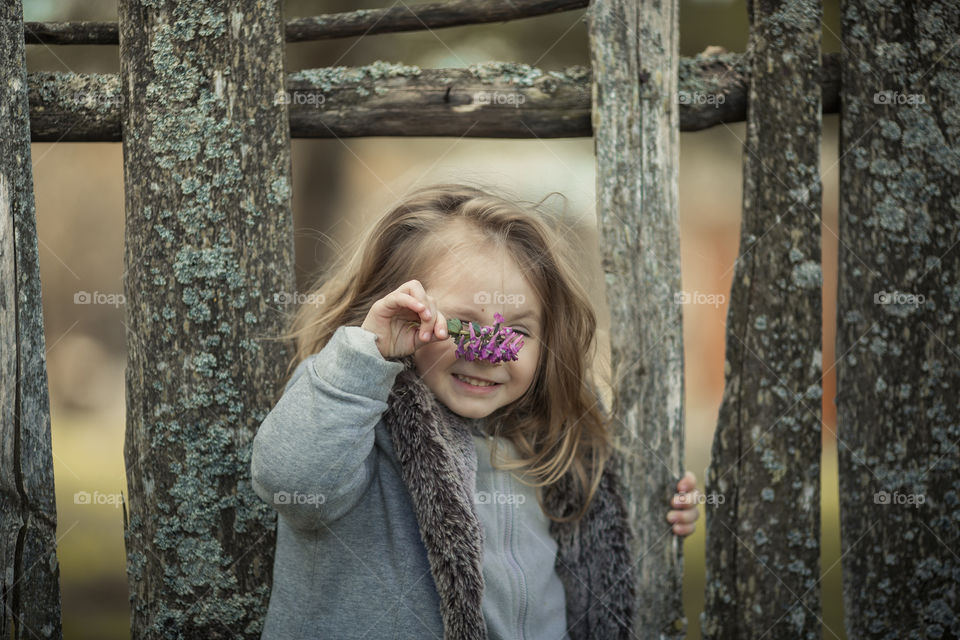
pixel 209 247
pixel 497 99
pixel 415 17
pixel 492 100
pixel 898 369
pixel 725 79
pixel 763 483
pixel 29 570
pixel 74 107
pixel 634 54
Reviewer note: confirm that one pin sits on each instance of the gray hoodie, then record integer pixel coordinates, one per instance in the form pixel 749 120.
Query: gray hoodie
pixel 356 557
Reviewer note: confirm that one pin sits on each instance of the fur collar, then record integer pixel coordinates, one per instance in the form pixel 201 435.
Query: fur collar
pixel 437 458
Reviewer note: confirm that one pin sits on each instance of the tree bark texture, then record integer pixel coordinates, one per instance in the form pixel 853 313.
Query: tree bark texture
pixel 363 22
pixel 898 369
pixel 634 57
pixel 30 572
pixel 208 249
pixel 491 100
pixel 763 483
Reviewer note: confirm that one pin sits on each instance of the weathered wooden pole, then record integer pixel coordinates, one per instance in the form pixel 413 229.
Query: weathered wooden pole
pixel 346 24
pixel 384 99
pixel 209 244
pixel 898 315
pixel 634 55
pixel 763 483
pixel 29 570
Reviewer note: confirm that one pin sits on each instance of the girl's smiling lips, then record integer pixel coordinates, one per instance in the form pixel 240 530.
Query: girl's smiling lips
pixel 472 388
pixel 467 375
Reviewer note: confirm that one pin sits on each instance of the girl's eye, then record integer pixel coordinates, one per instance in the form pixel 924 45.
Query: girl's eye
pixel 522 332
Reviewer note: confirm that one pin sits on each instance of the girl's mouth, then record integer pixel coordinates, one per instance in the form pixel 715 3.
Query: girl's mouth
pixel 474 385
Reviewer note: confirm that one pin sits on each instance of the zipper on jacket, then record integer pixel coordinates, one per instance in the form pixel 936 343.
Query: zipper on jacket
pixel 508 530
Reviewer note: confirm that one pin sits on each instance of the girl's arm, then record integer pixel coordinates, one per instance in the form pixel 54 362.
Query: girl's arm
pixel 313 456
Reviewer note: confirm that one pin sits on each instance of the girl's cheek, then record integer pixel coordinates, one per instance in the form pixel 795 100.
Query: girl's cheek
pixel 434 354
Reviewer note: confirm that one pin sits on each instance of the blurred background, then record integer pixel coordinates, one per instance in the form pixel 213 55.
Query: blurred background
pixel 339 187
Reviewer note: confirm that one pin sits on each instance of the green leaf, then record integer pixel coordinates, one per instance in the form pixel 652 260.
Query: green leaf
pixel 453 327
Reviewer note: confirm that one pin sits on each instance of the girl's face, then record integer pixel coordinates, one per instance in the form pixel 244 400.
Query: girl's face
pixel 473 286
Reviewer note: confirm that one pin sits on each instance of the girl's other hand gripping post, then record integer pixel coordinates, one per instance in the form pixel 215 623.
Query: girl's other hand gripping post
pixel 684 514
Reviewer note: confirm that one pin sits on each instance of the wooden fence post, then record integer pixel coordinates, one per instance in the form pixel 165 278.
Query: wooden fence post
pixel 898 370
pixel 634 48
pixel 763 483
pixel 209 249
pixel 30 572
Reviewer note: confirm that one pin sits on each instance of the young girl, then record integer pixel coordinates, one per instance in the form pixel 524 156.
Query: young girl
pixel 399 518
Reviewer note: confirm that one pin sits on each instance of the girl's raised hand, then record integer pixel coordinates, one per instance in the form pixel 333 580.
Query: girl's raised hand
pixel 389 318
pixel 684 515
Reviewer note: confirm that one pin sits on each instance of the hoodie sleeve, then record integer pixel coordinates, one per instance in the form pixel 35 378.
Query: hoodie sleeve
pixel 313 455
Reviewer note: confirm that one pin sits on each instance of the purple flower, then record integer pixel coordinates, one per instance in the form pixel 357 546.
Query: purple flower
pixel 489 343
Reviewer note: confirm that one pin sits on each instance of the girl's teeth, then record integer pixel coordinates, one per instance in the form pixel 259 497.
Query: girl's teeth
pixel 474 381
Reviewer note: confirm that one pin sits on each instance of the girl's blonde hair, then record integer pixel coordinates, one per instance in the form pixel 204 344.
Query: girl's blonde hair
pixel 559 425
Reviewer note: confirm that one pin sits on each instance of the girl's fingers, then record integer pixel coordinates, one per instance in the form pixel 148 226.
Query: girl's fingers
pixel 685 500
pixel 426 326
pixel 400 300
pixel 416 293
pixel 683 517
pixel 415 289
pixel 442 326
pixel 688 482
pixel 426 308
pixel 683 523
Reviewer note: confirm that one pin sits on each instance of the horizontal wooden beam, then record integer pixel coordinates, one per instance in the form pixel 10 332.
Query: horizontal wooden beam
pixel 492 100
pixel 419 17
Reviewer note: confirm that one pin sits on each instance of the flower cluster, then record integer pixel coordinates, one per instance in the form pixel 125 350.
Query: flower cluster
pixel 490 343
